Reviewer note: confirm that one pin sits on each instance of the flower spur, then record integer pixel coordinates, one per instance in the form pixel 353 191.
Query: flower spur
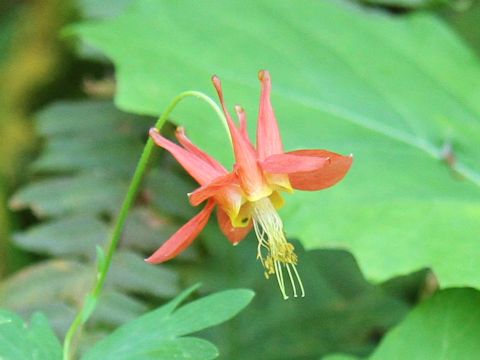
pixel 249 195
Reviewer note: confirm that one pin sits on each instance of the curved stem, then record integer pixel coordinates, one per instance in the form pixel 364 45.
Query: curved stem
pixel 104 265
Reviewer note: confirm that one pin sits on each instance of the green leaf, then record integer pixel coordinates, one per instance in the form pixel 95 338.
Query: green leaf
pixel 157 333
pixel 43 339
pixel 166 188
pixel 343 80
pixel 179 348
pixel 72 119
pixel 71 194
pixel 339 357
pixel 87 135
pixel 19 341
pixel 446 326
pixel 102 9
pixel 76 235
pixel 53 287
pixel 146 230
pixel 116 308
pixel 168 308
pixel 209 311
pixel 131 273
pixel 467 14
pixel 66 154
pixel 45 283
pixel 408 4
pixel 88 307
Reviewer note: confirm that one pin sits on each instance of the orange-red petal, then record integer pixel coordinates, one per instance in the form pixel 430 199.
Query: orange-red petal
pixel 327 175
pixel 233 234
pixel 199 169
pixel 183 237
pixel 211 189
pixel 187 144
pixel 269 141
pixel 249 173
pixel 242 118
pixel 288 163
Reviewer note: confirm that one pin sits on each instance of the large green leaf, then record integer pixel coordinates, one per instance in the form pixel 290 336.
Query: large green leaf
pixel 102 9
pixel 35 342
pixel 446 326
pixel 158 334
pixel 396 92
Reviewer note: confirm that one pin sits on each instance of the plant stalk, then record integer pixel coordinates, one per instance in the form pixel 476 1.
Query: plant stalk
pixel 104 264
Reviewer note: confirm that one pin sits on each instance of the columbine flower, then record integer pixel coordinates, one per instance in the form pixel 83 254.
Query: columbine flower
pixel 249 196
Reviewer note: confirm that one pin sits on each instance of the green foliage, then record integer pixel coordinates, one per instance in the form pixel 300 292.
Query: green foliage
pixel 464 20
pixel 74 225
pixel 92 9
pixel 159 334
pixel 70 236
pixel 78 198
pixel 79 182
pixel 8 22
pixel 339 357
pixel 33 342
pixel 7 26
pixel 340 312
pixel 447 326
pixel 399 93
pixel 31 61
pixel 407 4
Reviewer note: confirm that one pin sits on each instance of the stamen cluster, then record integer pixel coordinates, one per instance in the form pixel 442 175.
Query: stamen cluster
pixel 280 254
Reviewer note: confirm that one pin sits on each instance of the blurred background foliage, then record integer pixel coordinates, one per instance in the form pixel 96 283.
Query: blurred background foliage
pixel 66 157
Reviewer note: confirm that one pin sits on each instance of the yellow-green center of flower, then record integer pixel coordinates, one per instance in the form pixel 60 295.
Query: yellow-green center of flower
pixel 274 251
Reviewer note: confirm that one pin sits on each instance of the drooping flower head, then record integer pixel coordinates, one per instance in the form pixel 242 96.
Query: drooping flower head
pixel 250 194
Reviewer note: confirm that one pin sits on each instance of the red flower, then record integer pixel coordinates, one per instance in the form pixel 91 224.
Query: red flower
pixel 249 195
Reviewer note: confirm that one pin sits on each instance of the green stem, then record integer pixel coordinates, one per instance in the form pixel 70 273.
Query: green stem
pixel 104 264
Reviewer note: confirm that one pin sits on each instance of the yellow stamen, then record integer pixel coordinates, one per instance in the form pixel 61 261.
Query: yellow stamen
pixel 280 253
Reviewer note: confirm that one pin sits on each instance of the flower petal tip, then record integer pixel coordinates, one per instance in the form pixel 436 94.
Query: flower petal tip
pixel 218 87
pixel 149 260
pixel 153 131
pixel 153 261
pixel 216 81
pixel 180 130
pixel 263 75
